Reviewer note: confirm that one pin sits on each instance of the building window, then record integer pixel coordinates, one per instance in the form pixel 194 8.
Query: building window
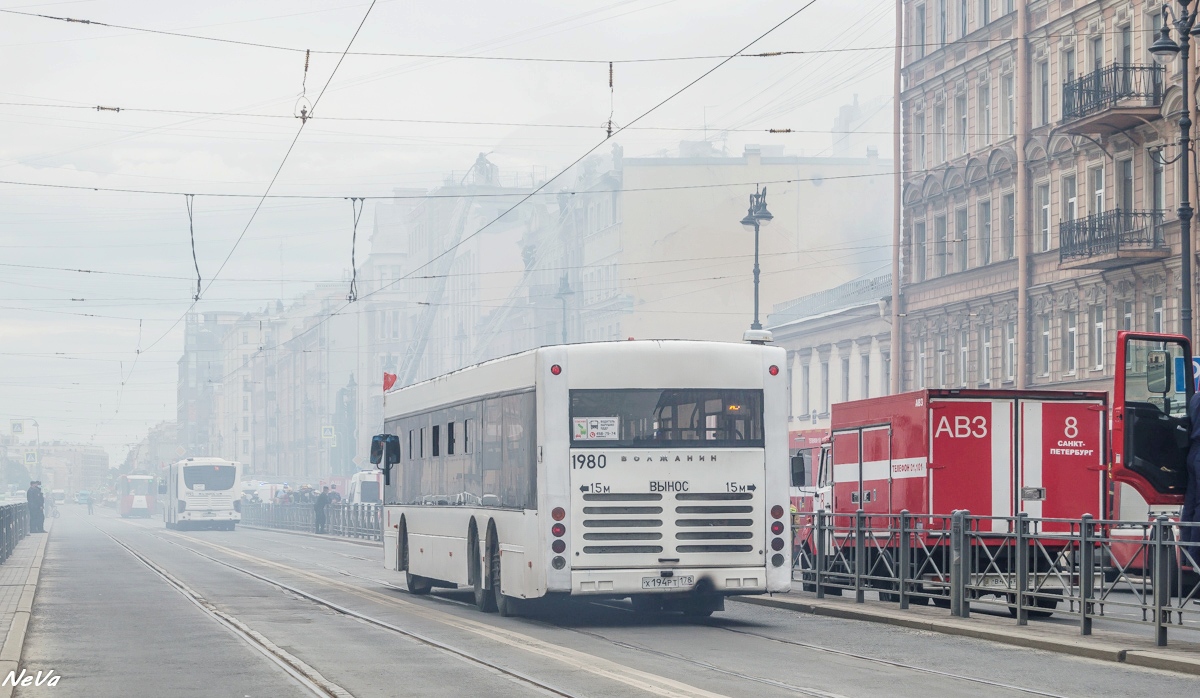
pixel 960 239
pixel 960 118
pixel 865 374
pixel 1009 6
pixel 845 379
pixel 985 232
pixel 805 393
pixel 1009 99
pixel 985 112
pixel 943 357
pixel 1008 225
pixel 1044 346
pixel 886 383
pixel 921 365
pixel 1070 346
pixel 939 245
pixel 939 133
pixel 245 403
pixel 1156 314
pixel 824 387
pixel 245 447
pixel 1097 344
pixel 1042 108
pixel 1010 351
pixel 985 12
pixel 1127 316
pixel 245 424
pixel 985 354
pixel 395 324
pixel 964 348
pixel 919 251
pixel 1069 198
pixel 919 30
pixel 1157 193
pixel 941 22
pixel 1125 185
pixel 1097 49
pixel 1043 204
pixel 962 18
pixel 1096 180
pixel 1068 65
pixel 919 139
pixel 245 337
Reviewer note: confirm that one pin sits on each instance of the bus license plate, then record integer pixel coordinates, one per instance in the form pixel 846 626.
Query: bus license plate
pixel 668 582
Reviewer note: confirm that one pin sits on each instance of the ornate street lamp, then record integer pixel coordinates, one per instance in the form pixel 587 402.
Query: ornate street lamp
pixel 1164 50
pixel 757 216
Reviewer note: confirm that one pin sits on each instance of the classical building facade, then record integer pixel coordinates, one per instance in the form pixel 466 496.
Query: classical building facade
pixel 1037 211
pixel 839 348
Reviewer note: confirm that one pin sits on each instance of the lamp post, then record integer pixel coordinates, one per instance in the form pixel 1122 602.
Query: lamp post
pixel 1164 49
pixel 757 216
pixel 564 290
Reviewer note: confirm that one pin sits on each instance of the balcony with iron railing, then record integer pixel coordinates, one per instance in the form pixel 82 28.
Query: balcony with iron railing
pixel 1116 238
pixel 1112 99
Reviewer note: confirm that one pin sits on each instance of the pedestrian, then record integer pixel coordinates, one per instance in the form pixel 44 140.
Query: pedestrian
pixel 35 502
pixel 334 497
pixel 1191 499
pixel 319 509
pixel 90 502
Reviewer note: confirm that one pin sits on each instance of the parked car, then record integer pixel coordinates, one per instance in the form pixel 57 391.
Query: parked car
pixel 81 497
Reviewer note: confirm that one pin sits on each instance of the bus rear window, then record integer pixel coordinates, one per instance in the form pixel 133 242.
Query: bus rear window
pixel 369 492
pixel 691 418
pixel 209 477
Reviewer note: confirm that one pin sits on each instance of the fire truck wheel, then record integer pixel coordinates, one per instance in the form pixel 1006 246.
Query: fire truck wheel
pixel 941 601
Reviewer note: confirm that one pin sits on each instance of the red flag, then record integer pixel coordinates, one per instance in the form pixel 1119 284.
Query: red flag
pixel 389 379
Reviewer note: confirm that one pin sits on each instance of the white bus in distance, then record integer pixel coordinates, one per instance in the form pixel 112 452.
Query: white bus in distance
pixel 655 470
pixel 202 493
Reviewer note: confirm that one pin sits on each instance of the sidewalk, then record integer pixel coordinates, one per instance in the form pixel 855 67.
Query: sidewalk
pixel 1106 645
pixel 18 583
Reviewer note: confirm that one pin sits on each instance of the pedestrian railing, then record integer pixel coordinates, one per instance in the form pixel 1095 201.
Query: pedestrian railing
pixel 1137 573
pixel 348 520
pixel 14 525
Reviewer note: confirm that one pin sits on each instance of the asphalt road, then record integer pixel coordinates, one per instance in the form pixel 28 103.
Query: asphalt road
pixel 127 608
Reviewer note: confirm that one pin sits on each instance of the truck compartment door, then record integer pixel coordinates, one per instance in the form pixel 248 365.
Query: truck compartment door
pixel 971 457
pixel 1061 469
pixel 1150 424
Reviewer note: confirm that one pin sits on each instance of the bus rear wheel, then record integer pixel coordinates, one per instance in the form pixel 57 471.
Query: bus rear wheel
pixel 417 584
pixel 484 598
pixel 506 606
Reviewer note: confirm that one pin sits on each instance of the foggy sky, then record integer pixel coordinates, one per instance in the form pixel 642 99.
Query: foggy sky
pixel 68 339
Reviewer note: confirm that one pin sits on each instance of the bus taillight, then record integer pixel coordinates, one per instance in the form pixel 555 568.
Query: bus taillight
pixel 556 369
pixel 777 512
pixel 558 514
pixel 774 370
pixel 558 530
pixel 777 528
pixel 558 546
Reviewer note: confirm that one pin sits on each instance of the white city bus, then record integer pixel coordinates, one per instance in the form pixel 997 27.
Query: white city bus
pixel 655 470
pixel 202 493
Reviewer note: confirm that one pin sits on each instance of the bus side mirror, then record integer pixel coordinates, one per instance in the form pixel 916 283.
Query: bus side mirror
pixel 798 479
pixel 377 445
pixel 1158 372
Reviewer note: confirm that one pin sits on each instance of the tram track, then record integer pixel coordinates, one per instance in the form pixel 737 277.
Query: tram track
pixel 797 689
pixel 574 659
pixel 301 672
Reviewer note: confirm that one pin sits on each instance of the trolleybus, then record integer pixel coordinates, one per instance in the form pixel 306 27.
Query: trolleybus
pixel 203 493
pixel 655 470
pixel 136 495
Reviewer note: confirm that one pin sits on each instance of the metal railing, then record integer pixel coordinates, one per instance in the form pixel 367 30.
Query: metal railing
pixel 1105 88
pixel 1086 569
pixel 14 525
pixel 347 520
pixel 1112 231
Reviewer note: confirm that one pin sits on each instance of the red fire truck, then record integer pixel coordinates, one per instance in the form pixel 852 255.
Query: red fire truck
pixel 998 453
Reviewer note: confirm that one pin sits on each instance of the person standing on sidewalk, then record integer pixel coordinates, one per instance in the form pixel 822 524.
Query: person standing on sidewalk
pixel 1191 499
pixel 319 509
pixel 90 502
pixel 35 503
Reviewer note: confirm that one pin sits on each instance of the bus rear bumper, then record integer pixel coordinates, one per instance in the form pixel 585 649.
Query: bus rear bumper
pixel 626 582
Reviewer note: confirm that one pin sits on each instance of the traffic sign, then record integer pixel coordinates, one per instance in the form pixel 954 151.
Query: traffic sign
pixel 18 427
pixel 327 432
pixel 31 457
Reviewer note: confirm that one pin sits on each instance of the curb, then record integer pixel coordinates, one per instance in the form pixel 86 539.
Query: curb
pixel 14 641
pixel 321 536
pixel 1079 646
